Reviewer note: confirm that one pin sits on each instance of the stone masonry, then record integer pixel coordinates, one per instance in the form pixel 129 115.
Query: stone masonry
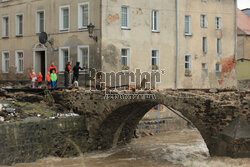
pixel 106 123
pixel 112 122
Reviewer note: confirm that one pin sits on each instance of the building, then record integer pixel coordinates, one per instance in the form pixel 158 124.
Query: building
pixel 190 41
pixel 243 51
pixel 246 11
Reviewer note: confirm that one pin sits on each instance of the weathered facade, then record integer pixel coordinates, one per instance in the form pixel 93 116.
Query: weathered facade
pixel 192 42
pixel 243 51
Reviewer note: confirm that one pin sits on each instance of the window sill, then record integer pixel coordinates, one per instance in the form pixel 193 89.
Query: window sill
pixel 155 70
pixel 126 28
pixel 189 35
pixel 5 37
pixel 5 72
pixel 155 31
pixel 19 36
pixel 188 75
pixel 19 72
pixel 64 31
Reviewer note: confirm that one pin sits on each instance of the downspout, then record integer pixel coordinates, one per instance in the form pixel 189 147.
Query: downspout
pixel 100 46
pixel 177 45
pixel 235 35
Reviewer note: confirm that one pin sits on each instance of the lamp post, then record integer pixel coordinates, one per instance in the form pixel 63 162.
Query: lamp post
pixel 91 31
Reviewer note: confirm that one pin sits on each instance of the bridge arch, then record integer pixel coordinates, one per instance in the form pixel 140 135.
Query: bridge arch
pixel 119 125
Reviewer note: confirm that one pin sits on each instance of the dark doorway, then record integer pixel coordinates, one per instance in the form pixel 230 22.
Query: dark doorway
pixel 40 63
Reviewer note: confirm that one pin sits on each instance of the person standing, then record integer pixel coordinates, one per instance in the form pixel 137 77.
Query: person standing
pixel 52 67
pixel 48 80
pixel 53 78
pixel 33 79
pixel 40 80
pixel 76 69
pixel 67 75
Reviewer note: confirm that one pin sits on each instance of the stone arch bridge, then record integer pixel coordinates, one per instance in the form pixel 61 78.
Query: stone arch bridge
pixel 222 118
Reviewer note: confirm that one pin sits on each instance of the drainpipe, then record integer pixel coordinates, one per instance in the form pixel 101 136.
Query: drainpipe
pixel 177 45
pixel 235 35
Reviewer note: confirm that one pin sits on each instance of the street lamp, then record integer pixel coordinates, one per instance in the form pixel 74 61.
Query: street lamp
pixel 91 31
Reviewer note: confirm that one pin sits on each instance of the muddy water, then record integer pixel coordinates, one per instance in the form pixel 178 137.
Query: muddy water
pixel 171 149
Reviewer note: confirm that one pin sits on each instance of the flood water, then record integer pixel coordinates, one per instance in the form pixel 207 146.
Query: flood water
pixel 169 149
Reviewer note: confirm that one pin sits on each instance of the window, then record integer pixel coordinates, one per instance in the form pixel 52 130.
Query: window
pixel 63 57
pixel 19 61
pixel 219 46
pixel 218 67
pixel 19 25
pixel 204 44
pixel 125 17
pixel 5 62
pixel 125 56
pixel 155 60
pixel 64 16
pixel 83 56
pixel 204 66
pixel 218 23
pixel 203 21
pixel 40 22
pixel 5 26
pixel 188 25
pixel 188 65
pixel 83 15
pixel 155 21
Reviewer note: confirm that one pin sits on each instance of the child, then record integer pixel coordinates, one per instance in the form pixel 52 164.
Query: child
pixel 48 80
pixel 33 78
pixel 53 78
pixel 40 80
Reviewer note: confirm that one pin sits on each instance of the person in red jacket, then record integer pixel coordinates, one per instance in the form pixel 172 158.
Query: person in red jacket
pixel 48 80
pixel 40 80
pixel 52 67
pixel 67 75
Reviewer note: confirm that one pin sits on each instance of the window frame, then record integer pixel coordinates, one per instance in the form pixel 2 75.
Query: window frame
pixel 18 34
pixel 80 16
pixel 61 66
pixel 190 65
pixel 79 47
pixel 128 27
pixel 206 66
pixel 157 60
pixel 128 58
pixel 157 21
pixel 61 20
pixel 4 27
pixel 204 23
pixel 17 61
pixel 220 67
pixel 4 62
pixel 204 45
pixel 38 21
pixel 189 33
pixel 218 25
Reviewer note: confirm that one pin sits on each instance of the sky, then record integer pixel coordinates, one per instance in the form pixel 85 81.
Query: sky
pixel 242 4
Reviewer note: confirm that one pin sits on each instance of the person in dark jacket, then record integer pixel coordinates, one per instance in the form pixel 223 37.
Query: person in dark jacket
pixel 67 74
pixel 76 69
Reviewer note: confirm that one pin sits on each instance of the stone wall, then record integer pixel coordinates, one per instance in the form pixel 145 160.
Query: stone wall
pixel 244 84
pixel 35 139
